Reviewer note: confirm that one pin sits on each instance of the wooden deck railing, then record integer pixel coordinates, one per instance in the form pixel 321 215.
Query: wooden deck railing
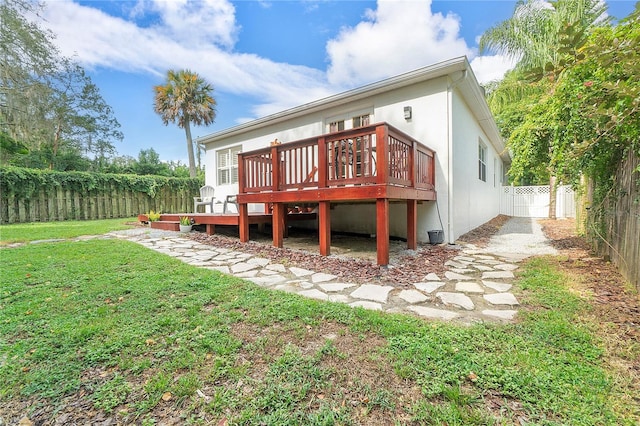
pixel 377 154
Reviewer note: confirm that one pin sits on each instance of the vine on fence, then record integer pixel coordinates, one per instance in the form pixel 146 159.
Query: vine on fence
pixel 24 183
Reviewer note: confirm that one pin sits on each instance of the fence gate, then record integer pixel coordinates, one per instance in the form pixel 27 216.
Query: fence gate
pixel 533 201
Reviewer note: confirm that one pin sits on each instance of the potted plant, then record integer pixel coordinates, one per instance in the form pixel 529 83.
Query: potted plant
pixel 185 224
pixel 153 216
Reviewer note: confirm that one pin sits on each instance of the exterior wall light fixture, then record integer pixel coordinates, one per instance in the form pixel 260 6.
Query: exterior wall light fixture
pixel 407 113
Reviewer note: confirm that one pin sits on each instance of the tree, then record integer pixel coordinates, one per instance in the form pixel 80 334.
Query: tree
pixel 27 58
pixel 149 164
pixel 539 33
pixel 545 39
pixel 47 103
pixel 185 98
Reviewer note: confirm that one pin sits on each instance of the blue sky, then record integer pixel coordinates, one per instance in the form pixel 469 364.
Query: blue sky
pixel 262 56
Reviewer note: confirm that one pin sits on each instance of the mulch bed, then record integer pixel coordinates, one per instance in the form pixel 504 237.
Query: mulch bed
pixel 405 268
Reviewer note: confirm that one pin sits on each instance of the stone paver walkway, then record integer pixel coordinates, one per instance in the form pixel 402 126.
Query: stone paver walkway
pixel 476 286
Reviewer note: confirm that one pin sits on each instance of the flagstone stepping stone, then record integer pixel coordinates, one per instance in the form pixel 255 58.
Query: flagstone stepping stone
pixel 498 274
pixel 367 305
pixel 223 269
pixel 433 313
pixel 335 287
pixel 301 284
pixel 462 270
pixel 412 296
pixel 287 288
pixel 490 262
pixel 469 287
pixel 456 299
pixel 464 259
pixel 321 277
pixel 429 287
pixel 242 267
pixel 453 276
pixel 500 287
pixel 501 299
pixel 377 293
pixel 268 281
pixel 299 272
pixel 268 272
pixel 502 314
pixel 485 257
pixel 339 298
pixel 278 267
pixel 506 267
pixel 431 277
pixel 260 261
pixel 314 294
pixel 248 274
pixel 482 267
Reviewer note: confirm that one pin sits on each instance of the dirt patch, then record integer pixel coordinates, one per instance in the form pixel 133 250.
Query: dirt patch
pixel 481 235
pixel 372 391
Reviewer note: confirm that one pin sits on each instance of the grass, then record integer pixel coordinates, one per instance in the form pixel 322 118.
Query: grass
pixel 143 337
pixel 35 231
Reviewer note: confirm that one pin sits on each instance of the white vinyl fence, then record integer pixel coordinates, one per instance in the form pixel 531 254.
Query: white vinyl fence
pixel 533 201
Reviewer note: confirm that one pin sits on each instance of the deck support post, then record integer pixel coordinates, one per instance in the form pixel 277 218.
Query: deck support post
pixel 211 228
pixel 278 224
pixel 324 227
pixel 243 222
pixel 412 224
pixel 382 230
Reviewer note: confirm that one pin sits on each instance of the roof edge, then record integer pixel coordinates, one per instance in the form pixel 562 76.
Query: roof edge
pixel 432 71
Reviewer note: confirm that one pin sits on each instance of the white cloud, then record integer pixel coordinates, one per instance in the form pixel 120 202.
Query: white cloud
pixel 398 36
pixel 196 36
pixel 156 35
pixel 207 21
pixel 490 68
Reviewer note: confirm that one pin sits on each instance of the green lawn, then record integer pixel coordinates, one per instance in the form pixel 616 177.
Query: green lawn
pixel 135 334
pixel 34 231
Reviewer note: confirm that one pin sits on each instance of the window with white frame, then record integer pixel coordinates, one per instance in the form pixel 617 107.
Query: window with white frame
pixel 349 120
pixel 336 126
pixel 227 165
pixel 482 162
pixel 361 120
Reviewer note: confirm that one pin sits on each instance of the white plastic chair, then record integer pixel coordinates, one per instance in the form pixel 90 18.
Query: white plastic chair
pixel 206 198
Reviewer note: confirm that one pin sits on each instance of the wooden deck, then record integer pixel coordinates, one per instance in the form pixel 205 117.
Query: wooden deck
pixel 376 163
pixel 211 220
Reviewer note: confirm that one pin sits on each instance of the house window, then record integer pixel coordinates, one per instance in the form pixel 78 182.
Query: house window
pixel 336 126
pixel 228 165
pixel 361 121
pixel 482 162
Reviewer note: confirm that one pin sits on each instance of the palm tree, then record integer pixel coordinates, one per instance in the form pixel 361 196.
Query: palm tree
pixel 544 38
pixel 539 35
pixel 185 98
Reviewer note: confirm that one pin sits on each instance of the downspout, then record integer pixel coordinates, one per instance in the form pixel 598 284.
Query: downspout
pixel 450 88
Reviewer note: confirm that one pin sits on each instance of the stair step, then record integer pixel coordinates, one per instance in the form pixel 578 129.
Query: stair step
pixel 166 225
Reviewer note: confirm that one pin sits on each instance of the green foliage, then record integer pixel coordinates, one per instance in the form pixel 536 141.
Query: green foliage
pixel 49 104
pixel 154 216
pixel 579 114
pixel 24 183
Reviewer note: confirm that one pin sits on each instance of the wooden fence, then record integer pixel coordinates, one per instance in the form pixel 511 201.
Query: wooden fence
pixel 621 216
pixel 110 200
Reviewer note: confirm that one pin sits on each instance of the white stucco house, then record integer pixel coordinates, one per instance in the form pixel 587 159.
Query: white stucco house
pixel 440 106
